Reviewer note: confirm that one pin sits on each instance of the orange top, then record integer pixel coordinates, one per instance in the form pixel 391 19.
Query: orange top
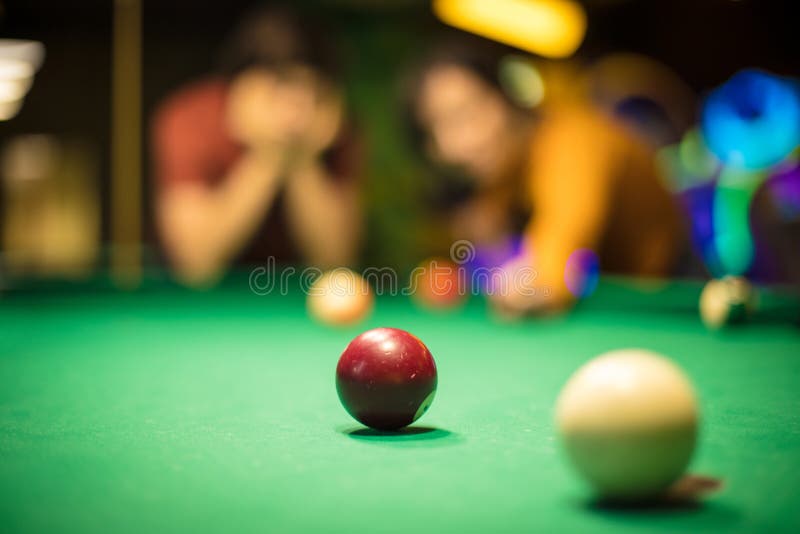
pixel 594 185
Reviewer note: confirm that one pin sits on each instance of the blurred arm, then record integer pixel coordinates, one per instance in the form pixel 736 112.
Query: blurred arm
pixel 204 227
pixel 571 184
pixel 204 219
pixel 324 215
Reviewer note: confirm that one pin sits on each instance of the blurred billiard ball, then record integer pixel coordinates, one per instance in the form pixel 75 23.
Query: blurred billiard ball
pixel 340 297
pixel 386 378
pixel 627 421
pixel 726 301
pixel 438 284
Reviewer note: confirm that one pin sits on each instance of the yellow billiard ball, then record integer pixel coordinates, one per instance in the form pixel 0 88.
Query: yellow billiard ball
pixel 627 421
pixel 340 297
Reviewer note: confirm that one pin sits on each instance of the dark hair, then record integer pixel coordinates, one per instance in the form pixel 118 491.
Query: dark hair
pixel 274 37
pixel 480 56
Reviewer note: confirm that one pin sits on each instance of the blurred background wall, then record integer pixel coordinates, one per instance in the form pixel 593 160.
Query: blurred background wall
pixel 69 104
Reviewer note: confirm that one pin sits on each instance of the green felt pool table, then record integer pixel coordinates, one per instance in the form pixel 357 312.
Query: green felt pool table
pixel 170 410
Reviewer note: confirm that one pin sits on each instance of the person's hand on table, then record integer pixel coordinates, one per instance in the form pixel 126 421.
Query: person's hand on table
pixel 519 291
pixel 516 305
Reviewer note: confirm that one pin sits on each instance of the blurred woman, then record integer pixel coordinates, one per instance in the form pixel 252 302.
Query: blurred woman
pixel 258 162
pixel 567 176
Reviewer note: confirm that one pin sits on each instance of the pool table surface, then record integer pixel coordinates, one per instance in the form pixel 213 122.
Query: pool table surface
pixel 165 409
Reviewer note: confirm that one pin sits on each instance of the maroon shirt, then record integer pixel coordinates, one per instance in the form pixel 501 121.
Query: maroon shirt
pixel 192 146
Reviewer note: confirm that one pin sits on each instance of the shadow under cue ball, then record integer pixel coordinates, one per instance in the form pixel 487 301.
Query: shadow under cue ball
pixel 627 421
pixel 386 378
pixel 340 297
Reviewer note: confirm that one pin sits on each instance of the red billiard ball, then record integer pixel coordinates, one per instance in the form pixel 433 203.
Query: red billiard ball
pixel 386 378
pixel 438 284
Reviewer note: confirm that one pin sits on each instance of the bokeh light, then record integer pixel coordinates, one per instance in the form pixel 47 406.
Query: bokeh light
pixel 687 164
pixel 698 203
pixel 732 233
pixel 488 258
pixel 550 28
pixel 19 61
pixel 753 120
pixel 695 156
pixel 645 93
pixel 522 80
pixel 784 188
pixel 582 273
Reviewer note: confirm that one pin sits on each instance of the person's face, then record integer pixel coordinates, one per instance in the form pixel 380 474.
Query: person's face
pixel 467 121
pixel 281 108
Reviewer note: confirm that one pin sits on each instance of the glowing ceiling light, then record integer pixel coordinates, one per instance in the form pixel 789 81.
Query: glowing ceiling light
pixel 30 52
pixel 19 61
pixel 9 109
pixel 551 28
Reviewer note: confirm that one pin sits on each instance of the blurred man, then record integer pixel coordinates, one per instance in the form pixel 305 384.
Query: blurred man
pixel 258 162
pixel 568 176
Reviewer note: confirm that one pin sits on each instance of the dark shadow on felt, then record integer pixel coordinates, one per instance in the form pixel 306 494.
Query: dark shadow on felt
pixel 685 495
pixel 409 433
pixel 409 436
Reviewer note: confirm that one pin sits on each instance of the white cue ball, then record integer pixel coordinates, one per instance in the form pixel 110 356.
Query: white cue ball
pixel 726 301
pixel 628 423
pixel 340 297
